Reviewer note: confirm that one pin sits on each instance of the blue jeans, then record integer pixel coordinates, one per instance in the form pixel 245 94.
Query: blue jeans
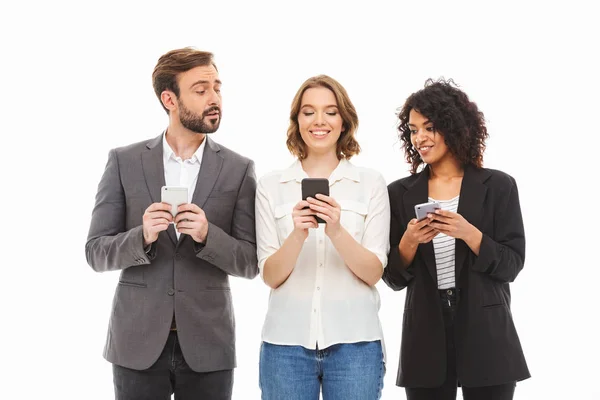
pixel 352 371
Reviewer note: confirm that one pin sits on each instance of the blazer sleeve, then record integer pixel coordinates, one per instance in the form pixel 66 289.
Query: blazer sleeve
pixel 396 275
pixel 109 246
pixel 236 253
pixel 502 256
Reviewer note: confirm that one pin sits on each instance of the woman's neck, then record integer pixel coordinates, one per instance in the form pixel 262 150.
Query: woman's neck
pixel 447 169
pixel 320 165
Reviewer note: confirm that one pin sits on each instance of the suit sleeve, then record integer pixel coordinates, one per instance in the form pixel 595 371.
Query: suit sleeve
pixel 502 256
pixel 109 246
pixel 396 275
pixel 236 253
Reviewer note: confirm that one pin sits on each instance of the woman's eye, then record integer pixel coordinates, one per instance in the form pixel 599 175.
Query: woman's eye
pixel 430 129
pixel 413 131
pixel 308 113
pixel 332 113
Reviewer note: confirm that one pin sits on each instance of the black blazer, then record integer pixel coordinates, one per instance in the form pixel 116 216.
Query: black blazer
pixel 488 351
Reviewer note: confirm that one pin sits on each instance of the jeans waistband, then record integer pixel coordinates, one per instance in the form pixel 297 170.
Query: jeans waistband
pixel 449 297
pixel 449 292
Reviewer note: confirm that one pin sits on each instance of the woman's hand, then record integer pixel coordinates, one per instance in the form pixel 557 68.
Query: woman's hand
pixel 303 219
pixel 329 210
pixel 418 232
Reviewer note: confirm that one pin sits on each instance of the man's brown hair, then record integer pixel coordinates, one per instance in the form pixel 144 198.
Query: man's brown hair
pixel 175 62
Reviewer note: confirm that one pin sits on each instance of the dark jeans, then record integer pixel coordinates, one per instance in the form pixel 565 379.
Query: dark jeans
pixel 171 374
pixel 448 390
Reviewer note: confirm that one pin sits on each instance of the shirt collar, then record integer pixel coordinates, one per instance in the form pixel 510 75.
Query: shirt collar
pixel 168 152
pixel 344 170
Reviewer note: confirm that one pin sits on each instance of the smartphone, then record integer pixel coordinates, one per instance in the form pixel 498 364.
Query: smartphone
pixel 313 186
pixel 421 210
pixel 175 196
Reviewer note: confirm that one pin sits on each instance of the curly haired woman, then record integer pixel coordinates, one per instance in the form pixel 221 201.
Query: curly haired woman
pixel 458 261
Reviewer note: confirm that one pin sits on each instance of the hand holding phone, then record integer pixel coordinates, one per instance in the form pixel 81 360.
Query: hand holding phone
pixel 421 210
pixel 175 196
pixel 313 186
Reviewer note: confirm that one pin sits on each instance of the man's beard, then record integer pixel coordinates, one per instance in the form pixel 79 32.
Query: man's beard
pixel 195 123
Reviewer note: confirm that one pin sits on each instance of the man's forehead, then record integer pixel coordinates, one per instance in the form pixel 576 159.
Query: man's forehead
pixel 200 75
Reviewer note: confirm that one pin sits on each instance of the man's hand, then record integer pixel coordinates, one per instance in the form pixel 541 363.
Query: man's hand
pixel 156 219
pixel 191 220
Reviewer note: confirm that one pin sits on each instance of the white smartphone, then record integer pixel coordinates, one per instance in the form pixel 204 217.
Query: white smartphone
pixel 175 196
pixel 421 210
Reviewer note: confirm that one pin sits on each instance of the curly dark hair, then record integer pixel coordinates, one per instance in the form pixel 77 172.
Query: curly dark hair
pixel 453 115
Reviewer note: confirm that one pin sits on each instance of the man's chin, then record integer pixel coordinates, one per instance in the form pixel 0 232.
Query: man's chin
pixel 212 129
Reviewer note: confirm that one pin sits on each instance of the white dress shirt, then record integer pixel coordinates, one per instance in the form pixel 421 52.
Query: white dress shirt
pixel 322 302
pixel 180 172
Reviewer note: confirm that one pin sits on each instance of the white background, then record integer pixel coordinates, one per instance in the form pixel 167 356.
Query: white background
pixel 76 82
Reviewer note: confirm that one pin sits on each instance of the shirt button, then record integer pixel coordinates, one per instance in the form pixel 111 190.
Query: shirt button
pixel 449 292
pixel 318 288
pixel 171 292
pixel 320 241
pixel 320 264
pixel 315 310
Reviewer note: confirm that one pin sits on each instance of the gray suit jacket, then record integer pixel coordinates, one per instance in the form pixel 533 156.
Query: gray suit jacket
pixel 181 277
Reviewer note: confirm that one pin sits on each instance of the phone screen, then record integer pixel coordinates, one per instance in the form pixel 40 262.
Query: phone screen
pixel 313 186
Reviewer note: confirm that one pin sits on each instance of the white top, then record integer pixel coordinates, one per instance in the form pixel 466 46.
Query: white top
pixel 444 249
pixel 322 301
pixel 180 172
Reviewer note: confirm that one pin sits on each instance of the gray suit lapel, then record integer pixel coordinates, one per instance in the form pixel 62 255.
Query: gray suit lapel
pixel 207 177
pixel 154 173
pixel 209 172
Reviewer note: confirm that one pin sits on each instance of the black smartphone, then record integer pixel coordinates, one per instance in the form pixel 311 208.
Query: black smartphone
pixel 313 186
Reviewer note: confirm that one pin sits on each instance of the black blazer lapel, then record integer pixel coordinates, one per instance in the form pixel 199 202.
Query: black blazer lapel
pixel 470 206
pixel 154 173
pixel 418 193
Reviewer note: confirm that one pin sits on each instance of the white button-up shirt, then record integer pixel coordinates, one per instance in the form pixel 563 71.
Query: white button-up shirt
pixel 322 302
pixel 180 172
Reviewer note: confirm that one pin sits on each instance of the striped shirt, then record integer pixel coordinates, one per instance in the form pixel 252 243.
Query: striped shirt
pixel 444 249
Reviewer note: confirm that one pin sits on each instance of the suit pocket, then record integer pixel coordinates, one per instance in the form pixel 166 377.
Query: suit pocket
pixel 217 288
pixel 223 193
pixel 132 284
pixel 490 306
pixel 133 276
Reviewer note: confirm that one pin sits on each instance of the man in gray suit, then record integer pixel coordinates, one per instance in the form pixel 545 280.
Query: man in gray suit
pixel 172 326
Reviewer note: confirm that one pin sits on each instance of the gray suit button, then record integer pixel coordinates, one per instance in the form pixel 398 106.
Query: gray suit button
pixel 171 292
pixel 177 256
